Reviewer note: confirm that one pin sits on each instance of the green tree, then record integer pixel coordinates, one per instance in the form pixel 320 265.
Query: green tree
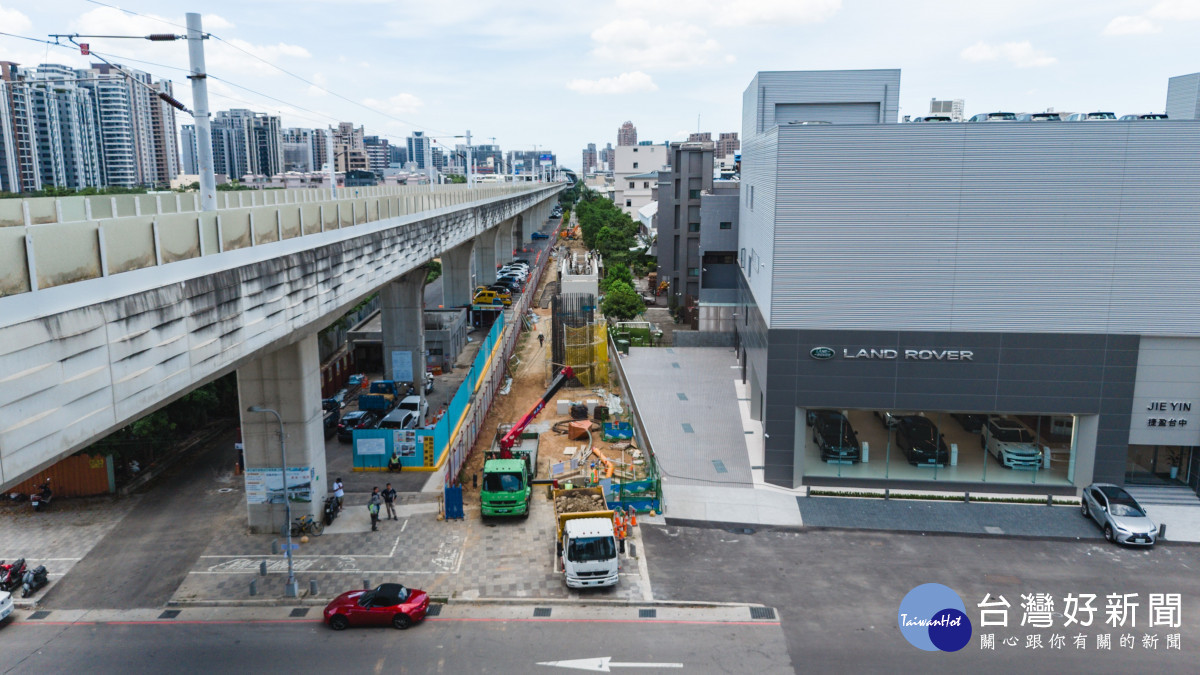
pixel 455 178
pixel 622 302
pixel 614 274
pixel 433 270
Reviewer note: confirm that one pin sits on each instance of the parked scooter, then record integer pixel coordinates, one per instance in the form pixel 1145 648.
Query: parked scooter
pixel 42 497
pixel 33 580
pixel 331 509
pixel 12 575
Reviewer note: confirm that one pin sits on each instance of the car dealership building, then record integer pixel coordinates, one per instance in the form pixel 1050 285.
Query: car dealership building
pixel 1041 272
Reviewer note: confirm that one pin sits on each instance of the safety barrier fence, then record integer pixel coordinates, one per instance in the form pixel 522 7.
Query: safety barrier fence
pixel 452 437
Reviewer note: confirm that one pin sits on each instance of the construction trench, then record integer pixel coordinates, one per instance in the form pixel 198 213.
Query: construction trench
pixel 592 444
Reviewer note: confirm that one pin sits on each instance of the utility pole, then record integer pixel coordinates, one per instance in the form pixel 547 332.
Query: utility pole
pixel 329 158
pixel 468 160
pixel 199 78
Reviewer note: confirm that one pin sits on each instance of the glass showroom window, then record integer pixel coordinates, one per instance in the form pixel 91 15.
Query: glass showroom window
pixel 910 445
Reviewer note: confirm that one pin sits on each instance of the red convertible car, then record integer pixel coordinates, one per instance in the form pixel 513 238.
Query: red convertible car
pixel 388 604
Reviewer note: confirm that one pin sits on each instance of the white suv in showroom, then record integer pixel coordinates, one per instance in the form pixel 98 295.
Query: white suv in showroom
pixel 1011 443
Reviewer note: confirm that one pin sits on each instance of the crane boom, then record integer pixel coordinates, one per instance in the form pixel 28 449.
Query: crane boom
pixel 510 439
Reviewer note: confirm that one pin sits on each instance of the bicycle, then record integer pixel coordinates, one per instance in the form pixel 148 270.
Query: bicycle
pixel 307 525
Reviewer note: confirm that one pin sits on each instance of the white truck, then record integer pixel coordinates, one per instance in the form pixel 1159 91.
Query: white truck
pixel 1011 443
pixel 586 544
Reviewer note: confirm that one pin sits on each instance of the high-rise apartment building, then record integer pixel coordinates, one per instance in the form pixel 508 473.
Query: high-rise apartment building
pixel 47 130
pixel 699 136
pixel 950 108
pixel 349 151
pixel 606 158
pixel 627 134
pixel 18 153
pixel 77 128
pixel 728 144
pixel 187 146
pixel 589 158
pixel 378 155
pixel 298 151
pixel 397 155
pixel 418 149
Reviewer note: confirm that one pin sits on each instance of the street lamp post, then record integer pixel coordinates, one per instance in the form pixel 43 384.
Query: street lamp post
pixel 290 590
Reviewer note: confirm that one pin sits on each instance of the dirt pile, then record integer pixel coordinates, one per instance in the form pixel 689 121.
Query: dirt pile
pixel 578 501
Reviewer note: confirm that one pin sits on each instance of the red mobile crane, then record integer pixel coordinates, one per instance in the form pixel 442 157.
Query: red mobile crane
pixel 510 439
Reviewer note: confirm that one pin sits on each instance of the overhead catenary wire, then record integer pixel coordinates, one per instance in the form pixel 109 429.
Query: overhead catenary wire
pixel 277 67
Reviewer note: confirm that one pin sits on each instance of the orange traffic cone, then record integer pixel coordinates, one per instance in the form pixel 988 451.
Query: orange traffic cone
pixel 632 516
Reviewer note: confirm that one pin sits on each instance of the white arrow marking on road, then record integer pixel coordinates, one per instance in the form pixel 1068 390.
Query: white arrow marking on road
pixel 602 664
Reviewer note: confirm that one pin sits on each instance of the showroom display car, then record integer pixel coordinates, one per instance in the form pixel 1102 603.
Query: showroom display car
pixel 1012 443
pixel 386 605
pixel 835 437
pixel 918 438
pixel 1118 514
pixel 970 422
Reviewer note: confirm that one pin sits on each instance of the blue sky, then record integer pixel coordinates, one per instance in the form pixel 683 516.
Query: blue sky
pixel 561 74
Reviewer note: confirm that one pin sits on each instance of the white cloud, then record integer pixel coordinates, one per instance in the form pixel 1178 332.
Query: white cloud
pixel 1019 54
pixel 398 103
pixel 320 84
pixel 625 83
pixel 738 12
pixel 215 22
pixel 14 21
pixel 646 46
pixel 1131 25
pixel 1176 10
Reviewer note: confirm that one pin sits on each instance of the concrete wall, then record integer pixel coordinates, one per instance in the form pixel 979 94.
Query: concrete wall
pixel 81 360
pixel 49 242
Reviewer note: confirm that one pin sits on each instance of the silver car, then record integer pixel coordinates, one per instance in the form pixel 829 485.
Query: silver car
pixel 1122 518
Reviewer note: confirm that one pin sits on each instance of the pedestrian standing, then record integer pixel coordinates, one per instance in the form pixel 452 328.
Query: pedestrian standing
pixel 389 500
pixel 338 492
pixel 373 508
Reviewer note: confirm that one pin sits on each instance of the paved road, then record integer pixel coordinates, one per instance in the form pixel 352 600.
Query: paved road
pixel 839 593
pixel 146 556
pixel 483 644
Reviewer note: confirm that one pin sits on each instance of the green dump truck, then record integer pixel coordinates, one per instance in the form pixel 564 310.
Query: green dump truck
pixel 508 476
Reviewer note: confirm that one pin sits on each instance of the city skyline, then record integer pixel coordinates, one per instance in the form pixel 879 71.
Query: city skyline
pixel 673 76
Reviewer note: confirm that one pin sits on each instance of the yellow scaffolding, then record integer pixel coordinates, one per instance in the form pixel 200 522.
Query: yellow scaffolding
pixel 586 350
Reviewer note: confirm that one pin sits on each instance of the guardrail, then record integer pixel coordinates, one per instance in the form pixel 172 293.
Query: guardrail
pixel 48 247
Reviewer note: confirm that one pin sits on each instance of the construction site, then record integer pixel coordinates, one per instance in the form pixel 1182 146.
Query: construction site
pixel 578 423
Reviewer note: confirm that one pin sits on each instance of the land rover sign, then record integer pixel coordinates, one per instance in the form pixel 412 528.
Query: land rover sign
pixel 821 353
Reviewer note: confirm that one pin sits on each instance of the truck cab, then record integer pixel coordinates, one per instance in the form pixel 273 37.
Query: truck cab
pixel 589 555
pixel 506 488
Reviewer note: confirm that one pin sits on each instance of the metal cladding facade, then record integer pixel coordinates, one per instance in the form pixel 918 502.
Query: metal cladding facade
pixel 1070 227
pixel 1054 251
pixel 1183 97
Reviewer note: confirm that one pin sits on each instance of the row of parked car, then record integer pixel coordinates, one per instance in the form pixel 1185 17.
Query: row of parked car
pixel 510 279
pixel 1046 117
pixel 410 413
pixel 917 437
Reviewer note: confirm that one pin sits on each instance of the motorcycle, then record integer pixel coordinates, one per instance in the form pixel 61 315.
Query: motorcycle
pixel 42 497
pixel 12 575
pixel 33 580
pixel 331 509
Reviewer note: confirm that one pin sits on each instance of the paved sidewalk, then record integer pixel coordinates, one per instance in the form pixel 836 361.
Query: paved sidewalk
pixel 60 536
pixel 910 515
pixel 468 559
